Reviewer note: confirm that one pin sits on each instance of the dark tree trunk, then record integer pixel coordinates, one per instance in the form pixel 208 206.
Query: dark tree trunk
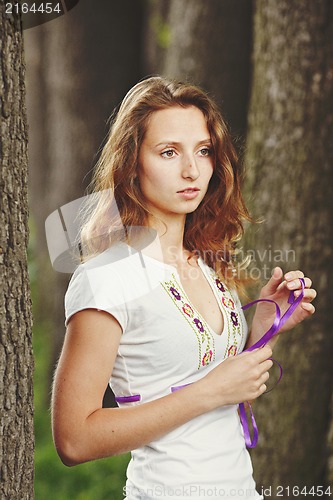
pixel 16 360
pixel 290 159
pixel 208 43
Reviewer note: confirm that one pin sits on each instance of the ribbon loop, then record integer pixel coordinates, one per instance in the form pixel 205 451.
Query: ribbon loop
pixel 250 442
pixel 276 326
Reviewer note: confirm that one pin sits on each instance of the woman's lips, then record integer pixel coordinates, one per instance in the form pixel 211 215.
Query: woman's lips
pixel 189 193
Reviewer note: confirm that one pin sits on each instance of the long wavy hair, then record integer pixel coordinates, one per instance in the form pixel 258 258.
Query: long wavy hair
pixel 117 204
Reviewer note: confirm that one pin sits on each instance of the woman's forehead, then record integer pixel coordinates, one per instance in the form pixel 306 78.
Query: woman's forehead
pixel 177 123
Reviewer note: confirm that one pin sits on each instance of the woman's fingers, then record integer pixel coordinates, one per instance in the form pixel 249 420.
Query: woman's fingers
pixel 261 357
pixel 263 389
pixel 291 275
pixel 244 376
pixel 295 283
pixel 274 283
pixel 266 365
pixel 264 377
pixel 309 308
pixel 263 353
pixel 309 294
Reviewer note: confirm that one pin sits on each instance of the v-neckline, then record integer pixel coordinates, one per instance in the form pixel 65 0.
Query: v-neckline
pixel 201 264
pixel 217 298
pixel 208 279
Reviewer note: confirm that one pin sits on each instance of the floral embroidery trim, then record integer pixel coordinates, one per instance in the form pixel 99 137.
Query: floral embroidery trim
pixel 235 329
pixel 187 309
pixel 234 318
pixel 232 351
pixel 207 358
pixel 219 285
pixel 175 293
pixel 206 345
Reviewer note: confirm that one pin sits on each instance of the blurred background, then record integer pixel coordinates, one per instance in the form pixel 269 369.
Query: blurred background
pixel 269 66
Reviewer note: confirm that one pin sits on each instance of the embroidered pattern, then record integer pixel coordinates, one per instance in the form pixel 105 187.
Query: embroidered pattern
pixel 235 327
pixel 232 351
pixel 199 326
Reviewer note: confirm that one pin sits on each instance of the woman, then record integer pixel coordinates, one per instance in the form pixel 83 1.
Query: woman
pixel 155 309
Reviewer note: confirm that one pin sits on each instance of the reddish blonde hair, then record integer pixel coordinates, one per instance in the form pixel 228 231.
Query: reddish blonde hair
pixel 213 229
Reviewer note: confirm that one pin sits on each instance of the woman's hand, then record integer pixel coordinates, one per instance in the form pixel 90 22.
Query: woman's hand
pixel 278 288
pixel 238 378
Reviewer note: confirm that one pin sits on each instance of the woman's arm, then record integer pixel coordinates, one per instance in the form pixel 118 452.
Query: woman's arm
pixel 85 431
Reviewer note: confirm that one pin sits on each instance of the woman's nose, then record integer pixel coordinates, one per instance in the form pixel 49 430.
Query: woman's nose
pixel 190 168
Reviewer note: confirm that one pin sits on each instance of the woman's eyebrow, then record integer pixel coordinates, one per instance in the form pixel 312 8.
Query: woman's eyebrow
pixel 167 143
pixel 176 143
pixel 205 141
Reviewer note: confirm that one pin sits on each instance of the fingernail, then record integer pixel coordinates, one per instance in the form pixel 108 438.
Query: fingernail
pixel 292 284
pixel 288 276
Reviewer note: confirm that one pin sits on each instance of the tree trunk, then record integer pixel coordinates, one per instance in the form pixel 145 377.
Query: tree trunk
pixel 290 159
pixel 208 43
pixel 16 360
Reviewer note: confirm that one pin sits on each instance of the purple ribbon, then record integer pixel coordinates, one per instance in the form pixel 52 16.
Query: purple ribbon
pixel 128 399
pixel 279 321
pixel 137 397
pixel 177 387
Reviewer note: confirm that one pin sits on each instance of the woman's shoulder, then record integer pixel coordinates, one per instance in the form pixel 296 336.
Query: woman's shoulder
pixel 119 266
pixel 98 269
pixel 108 261
pixel 113 255
pixel 96 283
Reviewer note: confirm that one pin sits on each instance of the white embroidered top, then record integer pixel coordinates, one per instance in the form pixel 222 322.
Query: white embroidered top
pixel 165 344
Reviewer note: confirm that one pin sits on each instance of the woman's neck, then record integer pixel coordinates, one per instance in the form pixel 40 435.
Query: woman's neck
pixel 170 240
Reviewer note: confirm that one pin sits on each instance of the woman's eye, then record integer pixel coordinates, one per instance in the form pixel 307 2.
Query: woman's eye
pixel 205 152
pixel 169 153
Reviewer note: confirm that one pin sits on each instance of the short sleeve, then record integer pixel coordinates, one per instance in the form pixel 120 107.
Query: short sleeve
pixel 96 288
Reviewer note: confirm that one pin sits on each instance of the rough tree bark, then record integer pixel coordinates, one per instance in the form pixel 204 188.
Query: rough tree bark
pixel 208 43
pixel 290 159
pixel 16 360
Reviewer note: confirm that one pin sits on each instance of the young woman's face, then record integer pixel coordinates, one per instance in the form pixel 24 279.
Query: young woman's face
pixel 175 161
